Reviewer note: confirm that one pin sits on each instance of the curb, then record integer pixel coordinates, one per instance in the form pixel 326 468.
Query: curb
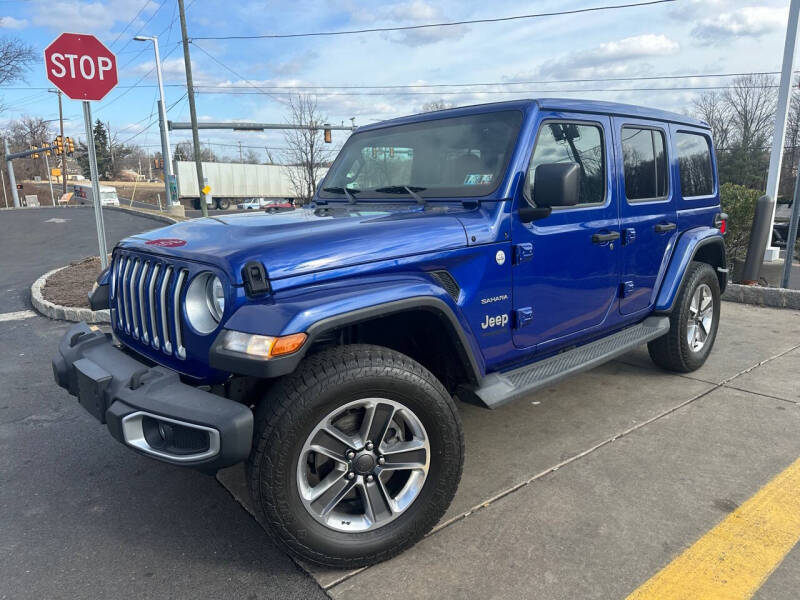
pixel 60 312
pixel 762 296
pixel 141 212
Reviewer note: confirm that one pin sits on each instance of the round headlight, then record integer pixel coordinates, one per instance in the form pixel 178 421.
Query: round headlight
pixel 216 297
pixel 205 302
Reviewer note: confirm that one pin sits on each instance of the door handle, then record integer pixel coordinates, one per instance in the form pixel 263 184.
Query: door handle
pixel 662 227
pixel 602 238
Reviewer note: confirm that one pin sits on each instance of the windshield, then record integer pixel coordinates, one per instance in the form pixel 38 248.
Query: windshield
pixel 453 157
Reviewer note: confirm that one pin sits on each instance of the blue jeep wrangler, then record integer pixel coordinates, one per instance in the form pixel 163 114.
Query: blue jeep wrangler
pixel 481 252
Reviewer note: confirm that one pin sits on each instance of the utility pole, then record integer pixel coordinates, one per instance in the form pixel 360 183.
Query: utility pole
pixel 63 157
pixel 781 115
pixel 241 158
pixel 192 110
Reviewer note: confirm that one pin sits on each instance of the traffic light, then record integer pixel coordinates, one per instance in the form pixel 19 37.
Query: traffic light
pixel 327 135
pixel 59 145
pixel 35 154
pixel 70 145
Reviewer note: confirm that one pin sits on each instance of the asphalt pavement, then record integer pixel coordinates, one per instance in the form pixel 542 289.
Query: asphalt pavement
pixel 81 516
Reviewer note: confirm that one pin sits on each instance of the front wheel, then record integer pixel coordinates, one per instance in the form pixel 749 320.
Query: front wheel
pixel 693 322
pixel 356 456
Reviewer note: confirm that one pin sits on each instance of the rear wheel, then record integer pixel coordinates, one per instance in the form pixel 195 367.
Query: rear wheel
pixel 693 323
pixel 356 456
pixel 223 203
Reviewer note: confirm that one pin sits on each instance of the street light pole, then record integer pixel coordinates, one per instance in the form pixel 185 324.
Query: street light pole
pixel 162 121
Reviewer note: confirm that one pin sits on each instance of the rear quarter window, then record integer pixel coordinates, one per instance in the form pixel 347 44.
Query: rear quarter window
pixel 694 163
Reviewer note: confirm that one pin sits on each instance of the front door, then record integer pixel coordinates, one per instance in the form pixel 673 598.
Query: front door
pixel 566 273
pixel 648 220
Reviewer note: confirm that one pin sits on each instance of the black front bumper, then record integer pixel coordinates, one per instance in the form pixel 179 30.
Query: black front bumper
pixel 148 408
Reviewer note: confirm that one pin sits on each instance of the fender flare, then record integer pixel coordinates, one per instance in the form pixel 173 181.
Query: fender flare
pixel 221 359
pixel 687 247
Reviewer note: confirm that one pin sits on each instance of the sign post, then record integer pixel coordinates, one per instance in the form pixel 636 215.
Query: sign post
pixel 84 69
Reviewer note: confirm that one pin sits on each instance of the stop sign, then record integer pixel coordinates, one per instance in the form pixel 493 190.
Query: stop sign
pixel 80 66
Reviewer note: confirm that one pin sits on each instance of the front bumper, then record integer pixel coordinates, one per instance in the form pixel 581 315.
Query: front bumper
pixel 148 408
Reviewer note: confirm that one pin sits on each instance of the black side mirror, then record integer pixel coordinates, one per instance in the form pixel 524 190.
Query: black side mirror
pixel 557 184
pixel 529 213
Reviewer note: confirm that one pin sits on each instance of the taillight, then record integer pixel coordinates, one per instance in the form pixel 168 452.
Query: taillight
pixel 721 222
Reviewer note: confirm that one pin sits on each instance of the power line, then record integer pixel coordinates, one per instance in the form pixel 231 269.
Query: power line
pixel 493 92
pixel 152 122
pixel 430 25
pixel 433 85
pixel 146 23
pixel 129 23
pixel 224 66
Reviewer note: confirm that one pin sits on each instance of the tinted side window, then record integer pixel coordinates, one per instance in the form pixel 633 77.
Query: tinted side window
pixel 560 142
pixel 644 158
pixel 694 161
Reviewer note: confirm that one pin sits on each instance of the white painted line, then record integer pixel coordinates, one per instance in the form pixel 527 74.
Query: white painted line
pixel 16 316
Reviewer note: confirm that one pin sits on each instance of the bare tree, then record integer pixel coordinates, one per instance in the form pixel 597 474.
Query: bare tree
pixel 16 57
pixel 741 119
pixel 435 105
pixel 751 100
pixel 306 153
pixel 185 151
pixel 791 147
pixel 24 133
pixel 714 110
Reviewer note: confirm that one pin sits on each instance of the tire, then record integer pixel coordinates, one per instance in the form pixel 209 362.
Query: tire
pixel 223 203
pixel 673 351
pixel 272 211
pixel 286 421
pixel 196 203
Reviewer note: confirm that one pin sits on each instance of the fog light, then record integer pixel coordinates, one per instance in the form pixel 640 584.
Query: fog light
pixel 262 346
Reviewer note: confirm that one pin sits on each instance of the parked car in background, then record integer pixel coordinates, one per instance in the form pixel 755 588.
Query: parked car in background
pixel 271 205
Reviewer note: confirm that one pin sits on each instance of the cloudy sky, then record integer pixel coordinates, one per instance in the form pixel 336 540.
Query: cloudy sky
pixel 518 57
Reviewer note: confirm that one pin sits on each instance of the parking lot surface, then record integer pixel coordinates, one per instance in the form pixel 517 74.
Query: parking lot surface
pixel 80 516
pixel 587 489
pixel 584 490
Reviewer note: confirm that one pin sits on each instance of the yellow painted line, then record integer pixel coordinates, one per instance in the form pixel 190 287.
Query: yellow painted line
pixel 735 558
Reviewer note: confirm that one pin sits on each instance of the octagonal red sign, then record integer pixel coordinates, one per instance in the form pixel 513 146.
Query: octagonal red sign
pixel 80 66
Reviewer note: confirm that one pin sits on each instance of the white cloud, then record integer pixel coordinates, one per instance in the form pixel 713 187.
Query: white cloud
pixel 89 17
pixel 412 12
pixel 749 21
pixel 615 58
pixel 12 23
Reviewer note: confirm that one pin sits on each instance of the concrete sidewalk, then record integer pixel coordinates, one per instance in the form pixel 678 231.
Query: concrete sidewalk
pixel 587 489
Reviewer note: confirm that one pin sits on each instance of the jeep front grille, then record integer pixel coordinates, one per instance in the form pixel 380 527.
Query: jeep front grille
pixel 147 301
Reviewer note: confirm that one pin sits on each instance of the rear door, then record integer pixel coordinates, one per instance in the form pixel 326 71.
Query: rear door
pixel 648 217
pixel 566 272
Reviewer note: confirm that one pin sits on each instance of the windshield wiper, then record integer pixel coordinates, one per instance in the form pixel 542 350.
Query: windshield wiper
pixel 349 192
pixel 399 189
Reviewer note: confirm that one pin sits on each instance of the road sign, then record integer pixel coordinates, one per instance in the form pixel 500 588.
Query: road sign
pixel 80 66
pixel 206 190
pixel 55 172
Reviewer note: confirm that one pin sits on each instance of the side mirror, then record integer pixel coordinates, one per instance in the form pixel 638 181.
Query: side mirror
pixel 557 184
pixel 533 213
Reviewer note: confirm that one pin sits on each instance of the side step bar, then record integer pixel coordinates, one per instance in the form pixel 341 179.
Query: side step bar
pixel 498 388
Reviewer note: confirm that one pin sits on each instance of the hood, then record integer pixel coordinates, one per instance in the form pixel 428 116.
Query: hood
pixel 306 240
